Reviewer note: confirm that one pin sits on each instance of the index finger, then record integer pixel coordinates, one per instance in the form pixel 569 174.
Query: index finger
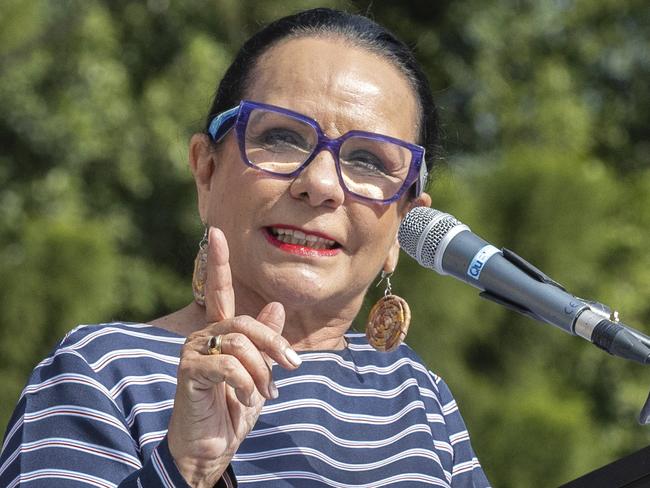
pixel 219 295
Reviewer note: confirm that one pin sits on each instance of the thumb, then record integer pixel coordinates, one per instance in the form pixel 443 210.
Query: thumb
pixel 272 315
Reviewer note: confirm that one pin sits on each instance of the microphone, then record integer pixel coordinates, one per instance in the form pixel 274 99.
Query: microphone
pixel 439 242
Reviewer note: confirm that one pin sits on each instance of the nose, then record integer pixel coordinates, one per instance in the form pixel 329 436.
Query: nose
pixel 318 184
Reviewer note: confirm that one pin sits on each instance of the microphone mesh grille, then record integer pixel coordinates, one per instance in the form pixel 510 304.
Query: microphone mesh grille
pixel 413 226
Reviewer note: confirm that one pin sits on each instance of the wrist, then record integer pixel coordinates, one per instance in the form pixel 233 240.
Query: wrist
pixel 200 464
pixel 201 473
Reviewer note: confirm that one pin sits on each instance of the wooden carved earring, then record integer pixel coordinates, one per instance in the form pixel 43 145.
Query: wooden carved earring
pixel 200 270
pixel 389 318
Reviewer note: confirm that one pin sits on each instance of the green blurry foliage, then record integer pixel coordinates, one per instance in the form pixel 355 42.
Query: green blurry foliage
pixel 546 116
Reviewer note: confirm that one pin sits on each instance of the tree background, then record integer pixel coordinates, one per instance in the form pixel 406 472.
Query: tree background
pixel 546 113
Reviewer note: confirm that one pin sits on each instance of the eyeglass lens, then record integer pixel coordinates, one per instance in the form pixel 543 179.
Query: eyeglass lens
pixel 279 143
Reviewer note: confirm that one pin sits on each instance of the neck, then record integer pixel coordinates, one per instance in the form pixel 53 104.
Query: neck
pixel 310 335
pixel 307 328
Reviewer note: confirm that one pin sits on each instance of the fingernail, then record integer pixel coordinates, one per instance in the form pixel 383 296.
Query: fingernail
pixel 292 356
pixel 273 390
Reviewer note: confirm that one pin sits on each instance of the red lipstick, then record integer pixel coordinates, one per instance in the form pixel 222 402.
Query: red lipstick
pixel 301 250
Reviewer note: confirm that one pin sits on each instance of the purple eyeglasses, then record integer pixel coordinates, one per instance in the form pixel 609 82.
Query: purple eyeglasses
pixel 371 167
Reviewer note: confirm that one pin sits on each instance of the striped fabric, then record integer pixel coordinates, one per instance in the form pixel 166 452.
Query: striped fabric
pixel 95 412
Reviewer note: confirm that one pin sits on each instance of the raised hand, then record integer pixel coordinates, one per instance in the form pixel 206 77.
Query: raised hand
pixel 219 396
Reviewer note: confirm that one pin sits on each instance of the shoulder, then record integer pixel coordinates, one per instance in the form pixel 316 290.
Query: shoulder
pixel 93 340
pixel 93 348
pixel 400 365
pixel 113 334
pixel 100 367
pixel 402 356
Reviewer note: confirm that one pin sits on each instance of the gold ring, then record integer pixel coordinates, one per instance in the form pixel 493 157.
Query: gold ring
pixel 214 344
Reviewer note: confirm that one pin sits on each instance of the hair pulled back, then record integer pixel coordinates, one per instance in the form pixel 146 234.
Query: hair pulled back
pixel 356 29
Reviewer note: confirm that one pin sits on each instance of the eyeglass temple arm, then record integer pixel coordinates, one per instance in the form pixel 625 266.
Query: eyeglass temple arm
pixel 222 123
pixel 422 177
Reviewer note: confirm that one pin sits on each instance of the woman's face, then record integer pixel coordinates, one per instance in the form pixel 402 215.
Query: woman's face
pixel 343 88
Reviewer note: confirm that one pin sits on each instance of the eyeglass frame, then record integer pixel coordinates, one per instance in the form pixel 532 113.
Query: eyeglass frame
pixel 238 117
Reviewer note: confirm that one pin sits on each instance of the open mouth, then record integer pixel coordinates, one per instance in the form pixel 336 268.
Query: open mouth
pixel 294 239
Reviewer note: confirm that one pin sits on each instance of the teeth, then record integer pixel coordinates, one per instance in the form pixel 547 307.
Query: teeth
pixel 299 238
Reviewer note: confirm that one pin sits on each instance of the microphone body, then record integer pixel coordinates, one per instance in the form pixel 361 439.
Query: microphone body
pixel 440 242
pixel 477 263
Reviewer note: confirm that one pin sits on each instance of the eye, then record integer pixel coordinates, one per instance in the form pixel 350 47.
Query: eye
pixel 279 139
pixel 365 162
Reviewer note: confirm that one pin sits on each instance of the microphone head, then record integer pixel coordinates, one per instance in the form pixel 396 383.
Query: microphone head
pixel 424 234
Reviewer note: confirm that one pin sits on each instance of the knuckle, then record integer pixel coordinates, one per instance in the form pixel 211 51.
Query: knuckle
pixel 186 350
pixel 278 342
pixel 214 328
pixel 250 385
pixel 247 385
pixel 193 337
pixel 238 342
pixel 241 322
pixel 224 283
pixel 228 365
pixel 185 367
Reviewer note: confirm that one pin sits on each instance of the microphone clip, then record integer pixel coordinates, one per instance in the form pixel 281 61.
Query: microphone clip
pixel 531 271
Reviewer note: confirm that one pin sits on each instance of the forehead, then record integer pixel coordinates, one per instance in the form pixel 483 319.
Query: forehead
pixel 344 87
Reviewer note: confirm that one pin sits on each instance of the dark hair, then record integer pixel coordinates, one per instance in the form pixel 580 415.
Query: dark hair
pixel 356 29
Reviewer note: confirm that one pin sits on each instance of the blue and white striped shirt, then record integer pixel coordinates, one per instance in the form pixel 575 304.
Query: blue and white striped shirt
pixel 95 412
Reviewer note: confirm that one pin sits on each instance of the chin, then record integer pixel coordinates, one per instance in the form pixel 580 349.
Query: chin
pixel 299 292
pixel 300 286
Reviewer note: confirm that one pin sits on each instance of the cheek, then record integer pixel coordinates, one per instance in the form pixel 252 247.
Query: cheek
pixel 240 196
pixel 378 234
pixel 227 200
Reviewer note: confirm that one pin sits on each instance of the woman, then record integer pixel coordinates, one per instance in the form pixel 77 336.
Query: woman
pixel 309 161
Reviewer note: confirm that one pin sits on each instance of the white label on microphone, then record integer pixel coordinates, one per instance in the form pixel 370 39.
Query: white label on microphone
pixel 478 261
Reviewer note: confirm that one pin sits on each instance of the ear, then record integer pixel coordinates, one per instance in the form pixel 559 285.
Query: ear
pixel 393 256
pixel 202 165
pixel 424 200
